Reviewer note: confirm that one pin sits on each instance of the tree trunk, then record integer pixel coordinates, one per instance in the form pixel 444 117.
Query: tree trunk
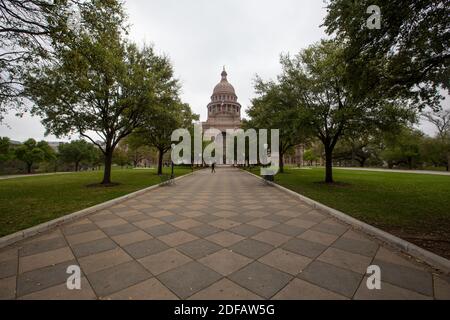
pixel 108 164
pixel 160 160
pixel 29 166
pixel 410 163
pixel 328 165
pixel 77 164
pixel 281 164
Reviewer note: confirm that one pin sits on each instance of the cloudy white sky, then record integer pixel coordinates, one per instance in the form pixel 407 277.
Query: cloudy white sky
pixel 200 36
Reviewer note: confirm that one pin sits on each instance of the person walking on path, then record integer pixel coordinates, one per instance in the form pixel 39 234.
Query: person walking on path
pixel 213 167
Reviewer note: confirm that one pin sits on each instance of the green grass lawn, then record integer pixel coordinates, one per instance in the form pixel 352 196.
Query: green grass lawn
pixel 28 201
pixel 415 207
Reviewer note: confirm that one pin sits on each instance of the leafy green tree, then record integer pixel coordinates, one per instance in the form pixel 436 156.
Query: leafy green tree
pixel 435 151
pixel 32 152
pixel 328 110
pixel 25 28
pixel 121 156
pixel 76 152
pixel 402 147
pixel 99 85
pixel 5 149
pixel 408 56
pixel 159 125
pixel 274 108
pixel 311 156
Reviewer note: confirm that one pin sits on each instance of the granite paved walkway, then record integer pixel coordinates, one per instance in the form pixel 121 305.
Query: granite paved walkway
pixel 222 236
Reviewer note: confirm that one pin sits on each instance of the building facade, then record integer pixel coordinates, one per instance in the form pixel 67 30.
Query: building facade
pixel 224 110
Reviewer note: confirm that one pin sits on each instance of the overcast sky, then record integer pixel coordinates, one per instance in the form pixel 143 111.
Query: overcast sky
pixel 202 36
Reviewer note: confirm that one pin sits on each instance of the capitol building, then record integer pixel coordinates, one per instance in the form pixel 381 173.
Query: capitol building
pixel 224 110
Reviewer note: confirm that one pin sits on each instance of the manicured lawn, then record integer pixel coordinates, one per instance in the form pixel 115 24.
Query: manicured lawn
pixel 28 201
pixel 415 207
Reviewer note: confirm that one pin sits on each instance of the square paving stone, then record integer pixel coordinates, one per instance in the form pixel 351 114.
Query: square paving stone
pixel 8 268
pixel 110 223
pixel 277 218
pixel 43 278
pixel 80 238
pixel 8 288
pixel 225 238
pixel 342 281
pixel 224 224
pixel 273 238
pixel 144 224
pixel 207 218
pixel 387 292
pixel 38 246
pixel 336 229
pixel 319 237
pixel 299 289
pixel 108 281
pixel 177 238
pixel 288 230
pixel 242 218
pixel 225 290
pixel 246 230
pixel 164 261
pixel 408 278
pixel 96 246
pixel 199 248
pixel 137 218
pixel 131 237
pixel 263 223
pixel 304 248
pixel 44 259
pixel 120 229
pixel 261 279
pixel 172 218
pixel 186 224
pixel 103 260
pixel 365 248
pixel 300 223
pixel 189 279
pixel 286 261
pixel 192 214
pixel 79 228
pixel 60 292
pixel 204 230
pixel 161 230
pixel 252 248
pixel 145 248
pixel 347 260
pixel 150 289
pixel 225 261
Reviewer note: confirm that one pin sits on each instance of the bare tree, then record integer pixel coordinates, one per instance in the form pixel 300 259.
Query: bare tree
pixel 441 120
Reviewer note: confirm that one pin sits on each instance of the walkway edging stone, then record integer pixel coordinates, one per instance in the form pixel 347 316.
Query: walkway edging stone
pixel 411 249
pixel 46 226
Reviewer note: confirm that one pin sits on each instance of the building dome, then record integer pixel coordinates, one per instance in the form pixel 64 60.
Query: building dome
pixel 224 87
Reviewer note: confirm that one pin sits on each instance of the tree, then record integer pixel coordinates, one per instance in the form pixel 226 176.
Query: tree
pixel 441 144
pixel 435 151
pixel 408 56
pixel 98 85
pixel 121 156
pixel 76 152
pixel 159 125
pixel 402 147
pixel 311 156
pixel 5 149
pixel 25 28
pixel 328 110
pixel 31 152
pixel 274 108
pixel 137 151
